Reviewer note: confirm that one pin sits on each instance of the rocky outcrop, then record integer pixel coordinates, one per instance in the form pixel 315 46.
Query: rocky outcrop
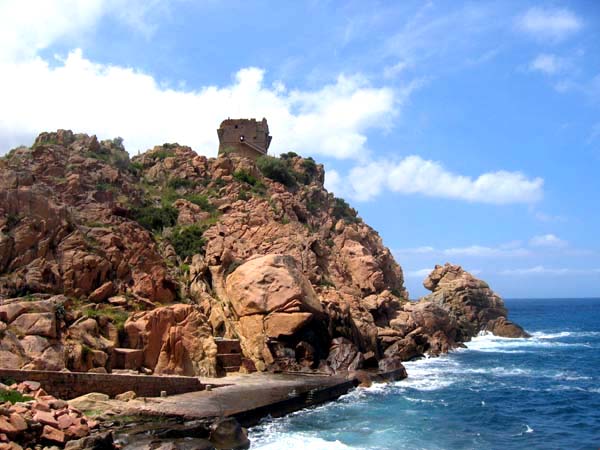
pixel 107 262
pixel 469 301
pixel 505 328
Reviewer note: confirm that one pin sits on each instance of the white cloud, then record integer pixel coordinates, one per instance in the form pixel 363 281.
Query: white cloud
pixel 504 250
pixel 27 26
pixel 396 69
pixel 543 217
pixel 548 64
pixel 547 240
pixel 118 101
pixel 483 251
pixel 553 24
pixel 415 175
pixel 421 273
pixel 541 270
pixel 333 182
pixel 108 100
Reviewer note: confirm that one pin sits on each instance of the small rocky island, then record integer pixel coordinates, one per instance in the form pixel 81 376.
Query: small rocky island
pixel 174 264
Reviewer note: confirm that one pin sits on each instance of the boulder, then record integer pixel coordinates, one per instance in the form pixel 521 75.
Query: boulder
pixel 505 328
pixel 343 355
pixel 175 340
pixel 42 324
pixel 285 324
pixel 393 364
pixel 270 283
pixel 468 300
pixel 53 434
pixel 102 293
pixel 227 433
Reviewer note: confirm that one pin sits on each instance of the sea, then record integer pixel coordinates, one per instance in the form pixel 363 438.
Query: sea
pixel 498 393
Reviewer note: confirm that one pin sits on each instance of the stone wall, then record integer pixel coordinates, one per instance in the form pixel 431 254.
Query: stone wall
pixel 69 385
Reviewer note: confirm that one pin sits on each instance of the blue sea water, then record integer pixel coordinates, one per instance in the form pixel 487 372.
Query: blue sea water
pixel 537 393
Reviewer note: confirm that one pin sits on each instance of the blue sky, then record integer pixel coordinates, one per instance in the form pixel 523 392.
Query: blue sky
pixel 466 132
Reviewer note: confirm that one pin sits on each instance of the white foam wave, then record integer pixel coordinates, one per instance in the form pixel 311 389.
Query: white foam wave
pixel 486 342
pixel 430 374
pixel 562 334
pixel 300 441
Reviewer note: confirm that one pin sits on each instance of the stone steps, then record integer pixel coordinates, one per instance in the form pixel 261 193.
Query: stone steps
pixel 228 346
pixel 229 354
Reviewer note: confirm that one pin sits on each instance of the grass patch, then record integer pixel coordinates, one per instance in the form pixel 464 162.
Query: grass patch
pixel 202 201
pixel 135 167
pixel 243 195
pixel 243 176
pixel 106 187
pixel 178 183
pixel 163 154
pixel 326 282
pixel 92 412
pixel 96 225
pixel 13 397
pixel 116 316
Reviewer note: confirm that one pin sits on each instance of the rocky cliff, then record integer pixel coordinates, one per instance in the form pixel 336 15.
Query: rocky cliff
pixel 108 262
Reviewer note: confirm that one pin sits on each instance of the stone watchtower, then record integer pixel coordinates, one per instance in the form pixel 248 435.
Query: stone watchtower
pixel 246 137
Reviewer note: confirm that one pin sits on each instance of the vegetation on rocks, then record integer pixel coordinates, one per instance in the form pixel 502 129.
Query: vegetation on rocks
pixel 155 218
pixel 291 271
pixel 277 170
pixel 188 240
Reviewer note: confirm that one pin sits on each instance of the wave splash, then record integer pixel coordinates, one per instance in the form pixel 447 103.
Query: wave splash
pixel 470 387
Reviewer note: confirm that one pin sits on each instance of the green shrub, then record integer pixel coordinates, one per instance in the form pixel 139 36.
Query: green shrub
pixel 243 195
pixel 231 267
pixel 136 167
pixel 243 176
pixel 176 183
pixel 396 292
pixel 12 220
pixel 156 218
pixel 342 210
pixel 105 187
pixel 310 166
pixel 219 183
pixel 188 240
pixel 277 170
pixel 202 201
pixel 289 155
pixel 163 153
pixel 326 282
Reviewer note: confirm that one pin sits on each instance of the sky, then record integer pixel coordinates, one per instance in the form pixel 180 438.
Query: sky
pixel 463 132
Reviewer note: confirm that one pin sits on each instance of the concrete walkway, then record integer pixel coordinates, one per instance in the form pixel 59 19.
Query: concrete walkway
pixel 248 397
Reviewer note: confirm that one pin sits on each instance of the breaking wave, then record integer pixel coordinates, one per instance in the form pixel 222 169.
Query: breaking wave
pixel 496 393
